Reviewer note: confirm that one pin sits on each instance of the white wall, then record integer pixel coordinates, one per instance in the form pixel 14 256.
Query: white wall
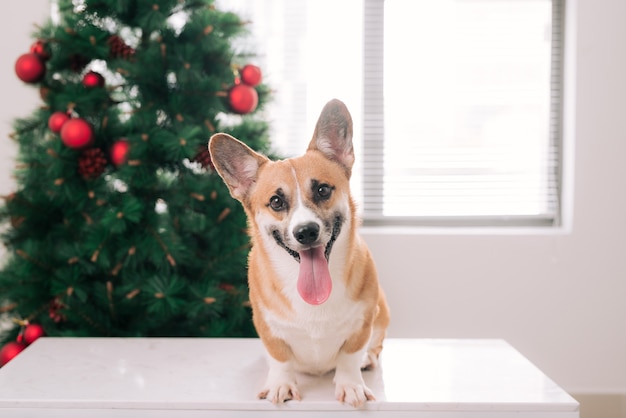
pixel 560 298
pixel 17 100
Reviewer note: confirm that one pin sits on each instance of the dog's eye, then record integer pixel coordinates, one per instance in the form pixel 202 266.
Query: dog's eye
pixel 324 191
pixel 277 203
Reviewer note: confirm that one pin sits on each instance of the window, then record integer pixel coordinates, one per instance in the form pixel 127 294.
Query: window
pixel 471 109
pixel 456 103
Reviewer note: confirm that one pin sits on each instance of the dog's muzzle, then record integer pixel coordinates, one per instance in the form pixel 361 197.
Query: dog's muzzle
pixel 338 221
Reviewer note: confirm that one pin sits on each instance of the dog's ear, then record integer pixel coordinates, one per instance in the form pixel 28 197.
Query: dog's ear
pixel 236 163
pixel 333 134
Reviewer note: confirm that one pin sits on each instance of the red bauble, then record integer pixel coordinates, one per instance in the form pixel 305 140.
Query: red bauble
pixel 57 120
pixel 243 98
pixel 119 152
pixel 39 49
pixel 93 79
pixel 77 133
pixel 9 351
pixel 251 75
pixel 32 332
pixel 30 68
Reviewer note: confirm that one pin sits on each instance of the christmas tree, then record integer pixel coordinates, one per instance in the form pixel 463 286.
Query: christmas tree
pixel 119 226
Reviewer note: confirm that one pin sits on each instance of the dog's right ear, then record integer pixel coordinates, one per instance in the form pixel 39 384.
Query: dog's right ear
pixel 236 163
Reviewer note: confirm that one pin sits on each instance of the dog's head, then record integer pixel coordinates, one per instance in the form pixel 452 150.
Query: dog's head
pixel 299 205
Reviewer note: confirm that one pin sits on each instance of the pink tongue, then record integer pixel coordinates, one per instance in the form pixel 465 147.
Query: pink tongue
pixel 314 283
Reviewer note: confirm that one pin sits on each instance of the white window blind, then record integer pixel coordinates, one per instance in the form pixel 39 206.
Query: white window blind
pixel 456 103
pixel 462 116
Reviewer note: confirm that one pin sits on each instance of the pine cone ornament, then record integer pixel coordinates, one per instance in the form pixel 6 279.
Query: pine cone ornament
pixel 119 49
pixel 78 62
pixel 91 163
pixel 204 158
pixel 55 310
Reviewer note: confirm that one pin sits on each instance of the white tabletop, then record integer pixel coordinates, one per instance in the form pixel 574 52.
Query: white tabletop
pixel 220 377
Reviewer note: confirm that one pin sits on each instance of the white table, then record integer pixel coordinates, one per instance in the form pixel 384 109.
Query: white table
pixel 165 377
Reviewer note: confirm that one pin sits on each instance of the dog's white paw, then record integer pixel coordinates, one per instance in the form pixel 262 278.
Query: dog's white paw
pixel 279 393
pixel 353 394
pixel 280 385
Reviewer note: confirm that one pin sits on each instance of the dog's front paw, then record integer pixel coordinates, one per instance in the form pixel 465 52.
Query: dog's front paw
pixel 279 393
pixel 353 394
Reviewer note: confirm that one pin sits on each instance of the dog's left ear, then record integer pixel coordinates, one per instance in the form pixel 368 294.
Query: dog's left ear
pixel 333 134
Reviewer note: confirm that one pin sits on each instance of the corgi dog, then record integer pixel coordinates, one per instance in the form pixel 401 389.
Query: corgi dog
pixel 316 302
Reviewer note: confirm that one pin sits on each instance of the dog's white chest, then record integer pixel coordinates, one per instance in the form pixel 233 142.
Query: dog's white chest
pixel 316 333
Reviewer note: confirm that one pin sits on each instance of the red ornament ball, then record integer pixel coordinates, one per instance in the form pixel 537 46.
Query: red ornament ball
pixel 93 79
pixel 77 133
pixel 243 98
pixel 119 152
pixel 39 49
pixel 9 351
pixel 57 120
pixel 30 68
pixel 251 75
pixel 33 332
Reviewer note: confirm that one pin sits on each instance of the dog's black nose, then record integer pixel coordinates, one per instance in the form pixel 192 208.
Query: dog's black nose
pixel 306 233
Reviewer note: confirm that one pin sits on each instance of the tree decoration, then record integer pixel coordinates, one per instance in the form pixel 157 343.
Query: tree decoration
pixel 55 310
pixel 29 333
pixel 32 332
pixel 30 68
pixel 93 79
pixel 243 98
pixel 92 163
pixel 119 49
pixel 77 133
pixel 10 351
pixel 119 152
pixel 203 158
pixel 40 49
pixel 251 75
pixel 77 62
pixel 57 120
